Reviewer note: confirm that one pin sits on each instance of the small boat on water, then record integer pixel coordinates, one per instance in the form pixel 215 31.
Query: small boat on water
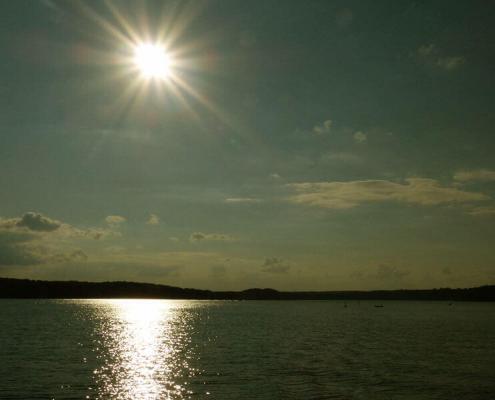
pixel 378 305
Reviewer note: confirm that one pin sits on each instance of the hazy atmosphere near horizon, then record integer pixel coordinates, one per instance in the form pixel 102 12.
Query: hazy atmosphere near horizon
pixel 298 145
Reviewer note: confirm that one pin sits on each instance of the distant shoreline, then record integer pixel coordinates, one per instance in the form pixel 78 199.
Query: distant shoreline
pixel 35 289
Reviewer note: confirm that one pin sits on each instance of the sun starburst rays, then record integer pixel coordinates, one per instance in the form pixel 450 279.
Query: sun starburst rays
pixel 153 64
pixel 152 61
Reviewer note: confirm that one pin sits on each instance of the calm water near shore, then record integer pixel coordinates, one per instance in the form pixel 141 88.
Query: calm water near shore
pixel 160 349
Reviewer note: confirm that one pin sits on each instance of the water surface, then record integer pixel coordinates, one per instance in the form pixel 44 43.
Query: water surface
pixel 163 349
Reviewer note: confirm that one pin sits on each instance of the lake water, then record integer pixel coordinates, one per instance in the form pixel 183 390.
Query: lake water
pixel 161 349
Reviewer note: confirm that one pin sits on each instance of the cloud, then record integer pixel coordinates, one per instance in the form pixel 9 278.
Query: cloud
pixel 74 256
pixel 483 211
pixel 37 239
pixel 115 220
pixel 323 128
pixel 275 265
pixel 199 237
pixel 360 137
pixel 69 231
pixel 107 270
pixel 43 226
pixel 115 249
pixel 18 248
pixel 157 271
pixel 15 249
pixel 38 222
pixel 479 175
pixel 426 50
pixel 345 195
pixel 429 54
pixel 450 63
pixel 153 219
pixel 237 200
pixel 32 221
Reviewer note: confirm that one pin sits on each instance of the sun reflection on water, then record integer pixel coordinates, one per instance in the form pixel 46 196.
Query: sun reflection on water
pixel 144 350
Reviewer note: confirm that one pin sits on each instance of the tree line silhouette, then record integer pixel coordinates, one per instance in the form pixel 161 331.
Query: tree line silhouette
pixel 34 289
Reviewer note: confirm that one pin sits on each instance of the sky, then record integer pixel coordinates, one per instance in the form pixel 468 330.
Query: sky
pixel 298 145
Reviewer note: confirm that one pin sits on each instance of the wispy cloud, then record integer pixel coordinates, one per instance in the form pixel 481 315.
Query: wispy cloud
pixel 479 175
pixel 32 221
pixel 200 236
pixel 450 63
pixel 482 211
pixel 323 128
pixel 237 200
pixel 35 238
pixel 16 249
pixel 430 54
pixel 275 265
pixel 41 225
pixel 38 222
pixel 114 220
pixel 360 137
pixel 345 195
pixel 153 220
pixel 73 256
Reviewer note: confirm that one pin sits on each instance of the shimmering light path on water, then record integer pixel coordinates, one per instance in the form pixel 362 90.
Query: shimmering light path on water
pixel 158 349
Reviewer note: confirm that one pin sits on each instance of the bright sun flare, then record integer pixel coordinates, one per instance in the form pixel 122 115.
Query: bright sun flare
pixel 152 61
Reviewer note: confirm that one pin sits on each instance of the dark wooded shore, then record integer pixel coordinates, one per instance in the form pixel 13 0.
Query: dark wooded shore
pixel 33 289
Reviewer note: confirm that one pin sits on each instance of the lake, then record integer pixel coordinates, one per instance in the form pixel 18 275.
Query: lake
pixel 170 349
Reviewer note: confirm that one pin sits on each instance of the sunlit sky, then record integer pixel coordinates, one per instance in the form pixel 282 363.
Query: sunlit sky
pixel 320 145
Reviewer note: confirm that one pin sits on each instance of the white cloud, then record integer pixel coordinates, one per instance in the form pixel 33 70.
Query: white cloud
pixel 38 222
pixel 323 128
pixel 35 239
pixel 345 195
pixel 32 221
pixel 360 137
pixel 480 175
pixel 236 200
pixel 153 219
pixel 43 226
pixel 115 220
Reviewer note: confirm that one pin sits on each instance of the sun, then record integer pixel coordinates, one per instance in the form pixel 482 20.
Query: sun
pixel 153 61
